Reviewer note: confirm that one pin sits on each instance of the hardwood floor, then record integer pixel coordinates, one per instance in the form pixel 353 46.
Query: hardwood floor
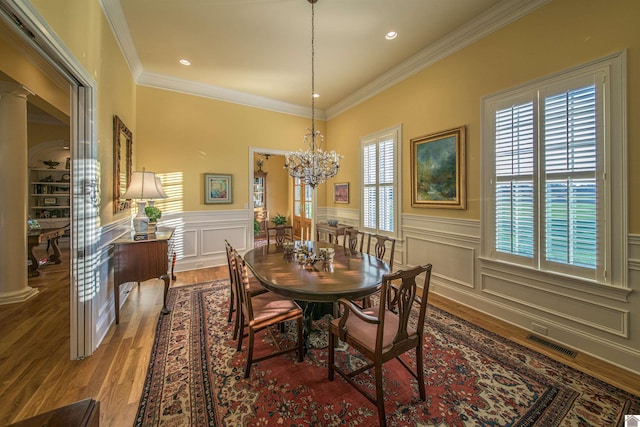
pixel 36 374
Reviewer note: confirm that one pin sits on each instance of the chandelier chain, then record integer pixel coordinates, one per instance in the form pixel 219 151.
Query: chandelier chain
pixel 313 71
pixel 313 165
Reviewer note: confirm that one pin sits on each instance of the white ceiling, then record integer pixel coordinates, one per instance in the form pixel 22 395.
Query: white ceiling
pixel 258 52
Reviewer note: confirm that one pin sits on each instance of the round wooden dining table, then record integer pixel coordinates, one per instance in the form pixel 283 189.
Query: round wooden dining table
pixel 351 275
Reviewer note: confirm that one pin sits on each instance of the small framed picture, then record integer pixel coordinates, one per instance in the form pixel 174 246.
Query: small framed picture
pixel 48 201
pixel 217 188
pixel 341 192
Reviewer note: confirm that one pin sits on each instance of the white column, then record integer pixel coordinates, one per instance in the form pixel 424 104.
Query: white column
pixel 13 194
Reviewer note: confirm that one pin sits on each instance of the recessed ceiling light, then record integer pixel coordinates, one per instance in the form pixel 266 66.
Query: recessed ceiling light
pixel 391 35
pixel 185 62
pixel 316 95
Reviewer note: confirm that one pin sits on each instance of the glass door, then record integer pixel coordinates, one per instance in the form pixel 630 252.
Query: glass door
pixel 302 209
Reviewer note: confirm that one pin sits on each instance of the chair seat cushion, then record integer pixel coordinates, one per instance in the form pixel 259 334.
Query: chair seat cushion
pixel 269 305
pixel 364 333
pixel 255 287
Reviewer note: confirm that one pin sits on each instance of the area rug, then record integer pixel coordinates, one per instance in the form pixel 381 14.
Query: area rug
pixel 473 377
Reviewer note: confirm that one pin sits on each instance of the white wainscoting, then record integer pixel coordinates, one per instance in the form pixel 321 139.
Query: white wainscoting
pixel 600 320
pixel 105 314
pixel 588 317
pixel 199 236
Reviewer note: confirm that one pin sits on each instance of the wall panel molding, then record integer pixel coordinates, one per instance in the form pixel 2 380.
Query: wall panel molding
pixel 586 316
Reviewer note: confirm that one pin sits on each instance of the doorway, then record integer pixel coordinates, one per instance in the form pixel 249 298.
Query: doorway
pixel 280 192
pixel 33 37
pixel 302 210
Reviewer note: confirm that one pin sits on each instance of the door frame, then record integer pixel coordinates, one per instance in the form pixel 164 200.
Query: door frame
pixel 273 151
pixel 84 272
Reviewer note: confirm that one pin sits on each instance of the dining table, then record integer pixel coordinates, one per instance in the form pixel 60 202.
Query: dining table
pixel 310 279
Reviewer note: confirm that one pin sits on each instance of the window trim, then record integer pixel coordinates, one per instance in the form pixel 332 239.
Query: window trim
pixel 395 132
pixel 614 224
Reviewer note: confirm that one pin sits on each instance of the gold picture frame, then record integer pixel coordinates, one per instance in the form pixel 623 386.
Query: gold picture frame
pixel 438 170
pixel 122 153
pixel 341 192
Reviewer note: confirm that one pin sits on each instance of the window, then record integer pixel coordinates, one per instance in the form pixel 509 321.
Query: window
pixel 379 166
pixel 553 170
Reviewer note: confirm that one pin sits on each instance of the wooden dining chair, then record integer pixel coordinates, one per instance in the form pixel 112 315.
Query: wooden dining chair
pixel 259 312
pixel 381 244
pixel 384 332
pixel 353 240
pixel 255 288
pixel 279 234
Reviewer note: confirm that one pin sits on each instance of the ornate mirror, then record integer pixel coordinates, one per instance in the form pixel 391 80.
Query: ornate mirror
pixel 122 149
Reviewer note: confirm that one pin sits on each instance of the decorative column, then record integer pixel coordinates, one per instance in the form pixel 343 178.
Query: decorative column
pixel 14 286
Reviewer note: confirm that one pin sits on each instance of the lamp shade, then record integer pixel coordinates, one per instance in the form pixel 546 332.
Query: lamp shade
pixel 143 186
pixel 160 189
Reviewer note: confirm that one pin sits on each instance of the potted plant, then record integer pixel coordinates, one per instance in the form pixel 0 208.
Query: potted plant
pixel 256 227
pixel 154 215
pixel 279 220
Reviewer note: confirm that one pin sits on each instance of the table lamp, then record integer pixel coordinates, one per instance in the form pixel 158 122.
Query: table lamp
pixel 161 191
pixel 142 187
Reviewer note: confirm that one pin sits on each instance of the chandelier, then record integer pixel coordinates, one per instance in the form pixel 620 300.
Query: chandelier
pixel 313 164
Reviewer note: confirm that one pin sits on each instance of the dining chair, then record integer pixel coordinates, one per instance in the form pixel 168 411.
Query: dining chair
pixel 380 246
pixel 234 299
pixel 259 312
pixel 381 334
pixel 280 234
pixel 353 239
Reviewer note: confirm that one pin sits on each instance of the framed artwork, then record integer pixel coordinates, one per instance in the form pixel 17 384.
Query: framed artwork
pixel 341 192
pixel 438 170
pixel 217 188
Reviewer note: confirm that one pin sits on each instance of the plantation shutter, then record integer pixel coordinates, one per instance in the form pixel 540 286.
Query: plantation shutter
pixel 370 189
pixel 379 182
pixel 514 191
pixel 547 210
pixel 570 180
pixel 554 159
pixel 386 183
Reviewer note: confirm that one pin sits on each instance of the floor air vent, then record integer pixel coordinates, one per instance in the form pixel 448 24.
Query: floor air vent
pixel 552 346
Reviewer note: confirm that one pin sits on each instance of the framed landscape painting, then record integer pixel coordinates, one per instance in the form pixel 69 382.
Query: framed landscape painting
pixel 217 188
pixel 438 170
pixel 341 192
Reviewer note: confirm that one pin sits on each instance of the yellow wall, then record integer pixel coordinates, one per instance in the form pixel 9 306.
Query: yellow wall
pixel 82 27
pixel 180 133
pixel 38 133
pixel 189 136
pixel 18 68
pixel 560 35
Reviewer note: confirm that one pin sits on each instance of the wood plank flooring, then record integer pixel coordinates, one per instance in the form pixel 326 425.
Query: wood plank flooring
pixel 36 374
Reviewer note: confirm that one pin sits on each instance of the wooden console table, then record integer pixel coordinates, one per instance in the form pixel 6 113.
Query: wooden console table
pixel 330 231
pixel 35 237
pixel 140 260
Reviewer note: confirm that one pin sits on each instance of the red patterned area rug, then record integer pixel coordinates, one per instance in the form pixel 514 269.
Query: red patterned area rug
pixel 473 378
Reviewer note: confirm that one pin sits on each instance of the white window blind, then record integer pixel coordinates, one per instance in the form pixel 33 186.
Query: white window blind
pixel 379 171
pixel 570 165
pixel 515 210
pixel 553 153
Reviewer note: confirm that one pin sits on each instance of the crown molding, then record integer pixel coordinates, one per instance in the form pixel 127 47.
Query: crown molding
pixel 497 17
pixel 227 95
pixel 120 29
